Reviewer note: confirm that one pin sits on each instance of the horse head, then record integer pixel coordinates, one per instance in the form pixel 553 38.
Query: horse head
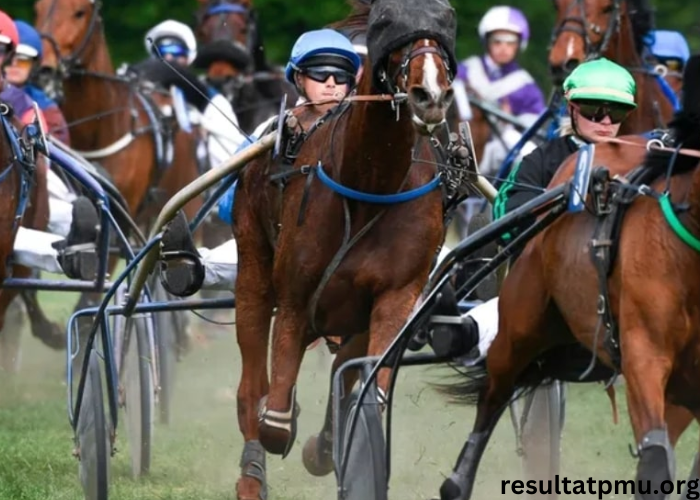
pixel 588 29
pixel 411 51
pixel 227 30
pixel 69 29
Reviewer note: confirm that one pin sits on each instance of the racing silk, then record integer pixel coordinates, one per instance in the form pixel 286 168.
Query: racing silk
pixel 532 175
pixel 54 116
pixel 509 84
pixel 21 103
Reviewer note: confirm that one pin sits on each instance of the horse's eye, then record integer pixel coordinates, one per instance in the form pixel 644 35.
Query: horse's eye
pixel 608 9
pixel 79 14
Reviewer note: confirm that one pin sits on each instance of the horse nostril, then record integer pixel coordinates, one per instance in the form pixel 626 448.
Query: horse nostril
pixel 448 97
pixel 419 96
pixel 570 65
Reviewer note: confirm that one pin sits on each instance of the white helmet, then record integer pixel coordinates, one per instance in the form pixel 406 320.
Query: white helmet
pixel 173 29
pixel 505 18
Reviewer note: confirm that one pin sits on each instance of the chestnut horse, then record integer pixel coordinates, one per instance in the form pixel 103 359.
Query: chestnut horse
pixel 22 181
pixel 232 52
pixel 112 120
pixel 653 302
pixel 358 281
pixel 588 29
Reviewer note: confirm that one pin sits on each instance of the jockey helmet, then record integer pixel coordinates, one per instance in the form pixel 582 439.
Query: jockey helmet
pixel 325 47
pixel 8 31
pixel 172 37
pixel 29 40
pixel 505 18
pixel 669 45
pixel 601 80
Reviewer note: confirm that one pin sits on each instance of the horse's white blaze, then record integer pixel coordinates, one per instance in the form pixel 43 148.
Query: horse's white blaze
pixel 570 48
pixel 430 76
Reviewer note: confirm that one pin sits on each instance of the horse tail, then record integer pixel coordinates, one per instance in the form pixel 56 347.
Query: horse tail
pixel 464 386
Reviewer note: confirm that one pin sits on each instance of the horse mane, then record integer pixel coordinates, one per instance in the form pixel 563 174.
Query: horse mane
pixel 685 126
pixel 643 20
pixel 358 18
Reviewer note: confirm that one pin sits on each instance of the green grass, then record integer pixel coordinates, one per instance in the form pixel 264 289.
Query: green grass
pixel 197 456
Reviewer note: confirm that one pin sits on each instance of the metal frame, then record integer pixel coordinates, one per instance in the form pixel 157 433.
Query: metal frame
pixel 551 204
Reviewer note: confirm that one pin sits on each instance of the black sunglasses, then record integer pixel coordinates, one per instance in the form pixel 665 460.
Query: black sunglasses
pixel 672 63
pixel 596 112
pixel 321 75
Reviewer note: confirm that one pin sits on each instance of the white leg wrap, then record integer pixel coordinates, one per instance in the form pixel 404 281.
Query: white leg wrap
pixel 221 266
pixel 33 249
pixel 486 317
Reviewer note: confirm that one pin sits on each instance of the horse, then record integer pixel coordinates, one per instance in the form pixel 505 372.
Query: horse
pixel 23 180
pixel 112 118
pixel 358 282
pixel 588 29
pixel 233 55
pixel 652 312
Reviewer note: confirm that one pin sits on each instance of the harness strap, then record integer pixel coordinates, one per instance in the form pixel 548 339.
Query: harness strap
pixel 113 148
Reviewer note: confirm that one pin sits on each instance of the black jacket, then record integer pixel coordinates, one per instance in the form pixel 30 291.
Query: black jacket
pixel 534 173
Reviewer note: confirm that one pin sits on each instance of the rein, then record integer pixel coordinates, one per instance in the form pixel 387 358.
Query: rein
pixel 664 198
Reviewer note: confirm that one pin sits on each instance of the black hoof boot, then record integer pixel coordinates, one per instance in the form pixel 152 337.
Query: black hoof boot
pixel 452 335
pixel 77 254
pixel 181 268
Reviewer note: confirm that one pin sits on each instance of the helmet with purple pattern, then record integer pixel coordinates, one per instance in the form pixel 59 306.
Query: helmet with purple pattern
pixel 503 17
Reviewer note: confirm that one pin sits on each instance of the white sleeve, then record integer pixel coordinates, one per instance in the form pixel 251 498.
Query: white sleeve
pixel 221 123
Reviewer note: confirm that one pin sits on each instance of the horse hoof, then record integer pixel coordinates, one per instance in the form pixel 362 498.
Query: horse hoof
pixel 317 459
pixel 249 488
pixel 53 337
pixel 275 440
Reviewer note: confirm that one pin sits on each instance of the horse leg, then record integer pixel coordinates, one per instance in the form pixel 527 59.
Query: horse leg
pixel 279 409
pixel 254 306
pixel 520 338
pixel 690 489
pixel 677 419
pixel 646 373
pixel 10 337
pixel 318 450
pixel 48 332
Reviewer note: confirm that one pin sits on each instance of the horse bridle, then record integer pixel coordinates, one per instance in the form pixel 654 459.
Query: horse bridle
pixel 580 26
pixel 222 8
pixel 410 54
pixel 73 60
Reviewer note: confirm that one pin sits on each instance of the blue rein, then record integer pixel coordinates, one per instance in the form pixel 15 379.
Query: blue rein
pixel 384 199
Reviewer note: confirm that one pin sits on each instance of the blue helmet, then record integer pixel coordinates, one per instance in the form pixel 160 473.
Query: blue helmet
pixel 29 40
pixel 324 47
pixel 670 44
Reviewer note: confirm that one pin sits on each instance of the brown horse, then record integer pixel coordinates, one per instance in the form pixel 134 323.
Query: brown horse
pixel 232 53
pixel 374 267
pixel 653 301
pixel 112 119
pixel 587 29
pixel 35 216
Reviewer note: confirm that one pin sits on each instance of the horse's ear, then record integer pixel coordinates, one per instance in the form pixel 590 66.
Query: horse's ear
pixel 691 85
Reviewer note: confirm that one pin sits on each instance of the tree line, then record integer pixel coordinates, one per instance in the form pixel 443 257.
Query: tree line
pixel 282 21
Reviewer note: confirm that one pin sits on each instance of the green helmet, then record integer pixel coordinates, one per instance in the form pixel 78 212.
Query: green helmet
pixel 601 80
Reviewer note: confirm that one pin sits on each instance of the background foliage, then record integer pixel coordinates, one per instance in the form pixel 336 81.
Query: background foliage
pixel 282 21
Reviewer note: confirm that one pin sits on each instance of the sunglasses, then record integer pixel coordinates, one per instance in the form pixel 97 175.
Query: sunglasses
pixel 321 75
pixel 672 64
pixel 4 49
pixel 21 62
pixel 596 112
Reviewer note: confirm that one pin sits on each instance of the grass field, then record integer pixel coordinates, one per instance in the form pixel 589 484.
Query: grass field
pixel 197 456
